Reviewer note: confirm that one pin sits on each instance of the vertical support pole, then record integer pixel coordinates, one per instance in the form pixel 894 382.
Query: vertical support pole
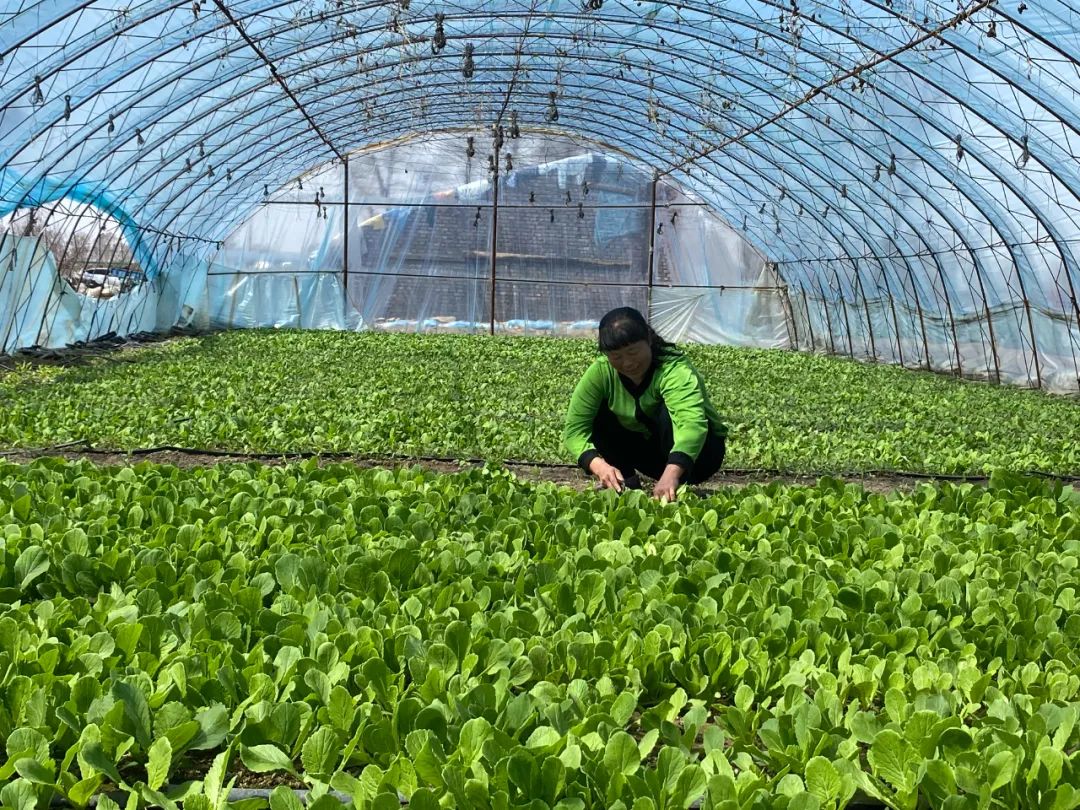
pixel 866 309
pixel 922 318
pixel 809 320
pixel 494 230
pixel 847 317
pixel 789 311
pixel 652 246
pixel 949 312
pixel 828 317
pixel 1072 298
pixel 989 319
pixel 345 244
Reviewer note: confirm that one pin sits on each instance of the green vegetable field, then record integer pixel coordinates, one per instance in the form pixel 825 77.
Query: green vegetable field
pixel 253 637
pixel 504 398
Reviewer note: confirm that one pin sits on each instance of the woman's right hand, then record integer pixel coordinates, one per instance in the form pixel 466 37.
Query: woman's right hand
pixel 609 476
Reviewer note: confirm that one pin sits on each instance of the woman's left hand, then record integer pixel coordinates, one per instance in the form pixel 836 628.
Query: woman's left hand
pixel 668 484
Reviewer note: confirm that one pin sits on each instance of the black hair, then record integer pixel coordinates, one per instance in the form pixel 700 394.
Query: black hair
pixel 625 325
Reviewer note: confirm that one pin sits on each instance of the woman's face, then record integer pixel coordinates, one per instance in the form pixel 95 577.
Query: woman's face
pixel 632 361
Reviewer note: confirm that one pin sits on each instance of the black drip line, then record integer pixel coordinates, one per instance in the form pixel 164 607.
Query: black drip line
pixel 85 448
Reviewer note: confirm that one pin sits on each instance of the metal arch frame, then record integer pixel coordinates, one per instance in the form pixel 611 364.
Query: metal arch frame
pixel 331 41
pixel 324 16
pixel 594 137
pixel 839 241
pixel 899 214
pixel 802 183
pixel 944 286
pixel 1020 197
pixel 333 59
pixel 336 58
pixel 229 78
pixel 1064 171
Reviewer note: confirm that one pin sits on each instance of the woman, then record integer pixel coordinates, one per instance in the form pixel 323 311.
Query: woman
pixel 642 408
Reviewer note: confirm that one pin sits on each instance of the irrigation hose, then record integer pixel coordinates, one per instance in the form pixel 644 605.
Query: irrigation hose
pixel 240 794
pixel 83 447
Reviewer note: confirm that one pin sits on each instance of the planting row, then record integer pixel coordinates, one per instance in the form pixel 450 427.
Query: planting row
pixel 504 398
pixel 475 641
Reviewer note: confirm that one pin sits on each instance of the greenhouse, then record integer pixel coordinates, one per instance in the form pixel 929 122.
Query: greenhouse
pixel 552 405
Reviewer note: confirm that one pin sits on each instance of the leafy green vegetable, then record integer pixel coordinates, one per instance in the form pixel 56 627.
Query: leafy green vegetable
pixel 473 640
pixel 504 398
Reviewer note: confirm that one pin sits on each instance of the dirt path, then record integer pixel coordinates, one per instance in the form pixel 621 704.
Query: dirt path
pixel 562 474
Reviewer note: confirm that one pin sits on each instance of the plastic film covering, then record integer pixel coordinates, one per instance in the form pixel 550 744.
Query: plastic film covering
pixel 427 244
pixel 903 174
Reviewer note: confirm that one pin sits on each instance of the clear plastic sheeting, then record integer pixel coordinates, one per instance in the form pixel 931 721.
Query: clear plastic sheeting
pixel 429 244
pixel 908 170
pixel 39 308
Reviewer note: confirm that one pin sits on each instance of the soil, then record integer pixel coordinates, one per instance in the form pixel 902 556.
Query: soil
pixel 561 474
pixel 114 349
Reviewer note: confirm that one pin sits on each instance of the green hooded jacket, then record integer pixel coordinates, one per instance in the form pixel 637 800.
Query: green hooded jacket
pixel 672 381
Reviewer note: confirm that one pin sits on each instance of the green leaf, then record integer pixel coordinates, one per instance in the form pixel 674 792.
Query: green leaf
pixel 623 708
pixel 31 564
pixel 1001 769
pixel 823 780
pixel 1048 760
pixel 893 759
pixel 621 754
pixel 474 734
pixel 265 758
pixel 159 762
pixel 213 726
pixel 321 751
pixel 93 756
pixel 21 507
pixel 283 798
pixel 27 742
pixel 214 781
pixel 79 793
pixel 422 799
pixel 18 795
pixel 543 737
pixel 744 697
pixel 939 782
pixel 33 771
pixel 136 711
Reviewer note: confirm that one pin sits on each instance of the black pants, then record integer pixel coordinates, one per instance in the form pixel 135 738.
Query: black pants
pixel 632 452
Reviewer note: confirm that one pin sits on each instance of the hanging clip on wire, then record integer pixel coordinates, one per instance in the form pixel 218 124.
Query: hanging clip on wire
pixel 551 115
pixel 439 41
pixel 470 148
pixel 1025 155
pixel 468 68
pixel 39 96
